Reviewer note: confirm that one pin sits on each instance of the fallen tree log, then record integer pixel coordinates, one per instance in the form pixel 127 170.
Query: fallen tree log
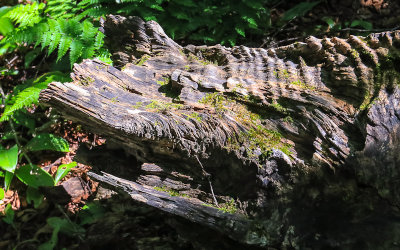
pixel 299 142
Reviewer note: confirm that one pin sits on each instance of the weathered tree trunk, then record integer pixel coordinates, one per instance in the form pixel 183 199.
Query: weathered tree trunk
pixel 299 143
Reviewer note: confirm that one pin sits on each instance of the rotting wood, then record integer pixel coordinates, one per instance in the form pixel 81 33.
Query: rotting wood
pixel 281 131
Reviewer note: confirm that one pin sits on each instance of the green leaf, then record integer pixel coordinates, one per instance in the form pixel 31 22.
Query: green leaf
pixel 63 46
pixel 51 244
pixel 55 40
pixel 33 195
pixel 47 142
pixel 46 37
pixel 2 193
pixel 99 40
pixel 63 170
pixel 6 26
pixel 360 23
pixel 240 31
pixel 9 158
pixel 7 179
pixel 4 10
pixel 90 213
pixel 8 215
pixel 30 56
pixel 329 21
pixel 34 176
pixel 89 32
pixel 299 10
pixel 23 99
pixel 76 51
pixel 251 21
pixel 24 119
pixel 66 226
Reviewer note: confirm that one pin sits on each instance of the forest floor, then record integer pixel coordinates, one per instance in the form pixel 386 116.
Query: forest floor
pixel 335 18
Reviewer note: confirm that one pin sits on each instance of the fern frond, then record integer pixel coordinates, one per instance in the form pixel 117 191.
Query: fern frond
pixel 26 15
pixel 28 94
pixel 62 8
pixel 55 40
pixel 96 11
pixel 25 98
pixel 76 51
pixel 46 38
pixel 63 46
pixel 98 42
pixel 88 52
pixel 89 32
pixel 55 35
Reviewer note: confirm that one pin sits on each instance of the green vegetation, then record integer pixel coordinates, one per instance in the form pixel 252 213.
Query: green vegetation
pixel 216 100
pixel 204 62
pixel 288 119
pixel 194 116
pixel 265 140
pixel 114 99
pixel 161 107
pixel 142 60
pixel 285 75
pixel 355 54
pixel 51 27
pixel 278 107
pixel 228 207
pixel 165 82
pixel 257 137
pixel 30 174
pixel 170 191
pixel 282 74
pixel 302 85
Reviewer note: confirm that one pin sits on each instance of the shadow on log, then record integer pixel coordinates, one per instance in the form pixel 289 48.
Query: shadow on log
pixel 272 148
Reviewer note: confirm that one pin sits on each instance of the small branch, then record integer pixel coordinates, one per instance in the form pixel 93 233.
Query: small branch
pixel 208 176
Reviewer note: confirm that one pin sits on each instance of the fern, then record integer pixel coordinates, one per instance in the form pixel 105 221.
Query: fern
pixel 28 94
pixel 25 98
pixel 62 8
pixel 56 26
pixel 26 15
pixel 212 21
pixel 76 50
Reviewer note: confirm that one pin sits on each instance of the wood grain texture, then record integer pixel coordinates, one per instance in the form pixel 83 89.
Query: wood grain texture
pixel 278 130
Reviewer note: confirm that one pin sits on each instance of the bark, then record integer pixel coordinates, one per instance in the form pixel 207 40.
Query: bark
pixel 298 135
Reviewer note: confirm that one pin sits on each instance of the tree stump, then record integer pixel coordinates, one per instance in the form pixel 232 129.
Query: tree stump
pixel 295 146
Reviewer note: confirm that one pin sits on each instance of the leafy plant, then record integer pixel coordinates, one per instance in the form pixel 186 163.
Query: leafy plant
pixel 9 215
pixel 9 158
pixel 299 10
pixel 63 170
pixel 62 225
pixel 55 26
pixel 47 142
pixel 2 193
pixel 25 95
pixel 208 21
pixel 337 26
